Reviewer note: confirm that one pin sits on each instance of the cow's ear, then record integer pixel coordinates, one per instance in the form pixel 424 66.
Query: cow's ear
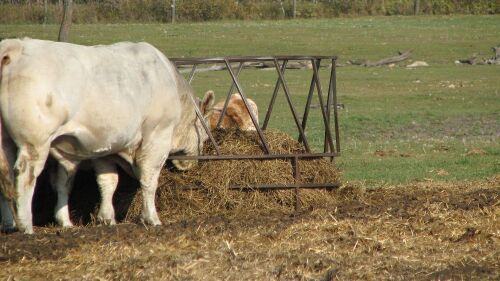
pixel 208 102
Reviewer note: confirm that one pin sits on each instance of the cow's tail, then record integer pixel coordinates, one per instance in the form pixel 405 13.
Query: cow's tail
pixel 9 51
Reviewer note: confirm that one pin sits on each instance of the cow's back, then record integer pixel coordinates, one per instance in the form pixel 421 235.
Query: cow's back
pixel 106 96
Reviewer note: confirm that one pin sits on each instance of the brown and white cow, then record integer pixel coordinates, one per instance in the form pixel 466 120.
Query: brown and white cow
pixel 118 104
pixel 237 115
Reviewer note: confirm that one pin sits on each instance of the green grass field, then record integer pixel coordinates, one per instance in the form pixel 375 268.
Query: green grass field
pixel 440 122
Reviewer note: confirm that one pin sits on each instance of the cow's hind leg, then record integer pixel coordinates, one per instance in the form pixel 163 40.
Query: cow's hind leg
pixel 7 204
pixel 8 224
pixel 63 183
pixel 29 164
pixel 107 179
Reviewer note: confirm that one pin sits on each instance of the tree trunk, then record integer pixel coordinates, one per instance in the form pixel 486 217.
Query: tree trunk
pixel 382 7
pixel 282 8
pixel 173 11
pixel 294 8
pixel 417 7
pixel 66 21
pixel 45 11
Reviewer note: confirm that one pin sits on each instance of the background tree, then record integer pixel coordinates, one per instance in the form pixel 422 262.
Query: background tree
pixel 417 6
pixel 66 21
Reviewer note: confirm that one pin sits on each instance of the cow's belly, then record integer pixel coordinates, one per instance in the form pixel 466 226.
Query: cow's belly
pixel 81 142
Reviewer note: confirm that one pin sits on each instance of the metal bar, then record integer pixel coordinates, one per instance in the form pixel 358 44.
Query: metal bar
pixel 224 109
pixel 308 103
pixel 267 150
pixel 335 109
pixel 191 75
pixel 292 108
pixel 273 98
pixel 296 177
pixel 203 123
pixel 272 187
pixel 322 104
pixel 328 111
pixel 189 61
pixel 253 157
pixel 199 114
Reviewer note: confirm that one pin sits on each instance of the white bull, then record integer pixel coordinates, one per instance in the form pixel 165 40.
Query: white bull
pixel 123 103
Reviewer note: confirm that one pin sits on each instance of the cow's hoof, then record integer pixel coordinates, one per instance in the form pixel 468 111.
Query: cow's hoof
pixel 28 230
pixel 63 220
pixel 151 221
pixel 65 223
pixel 106 221
pixel 8 230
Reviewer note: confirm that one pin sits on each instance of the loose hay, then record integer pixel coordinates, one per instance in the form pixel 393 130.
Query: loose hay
pixel 420 231
pixel 214 177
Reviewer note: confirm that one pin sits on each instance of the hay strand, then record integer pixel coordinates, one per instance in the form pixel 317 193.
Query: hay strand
pixel 213 179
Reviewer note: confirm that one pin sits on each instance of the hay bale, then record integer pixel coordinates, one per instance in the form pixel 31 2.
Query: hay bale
pixel 214 178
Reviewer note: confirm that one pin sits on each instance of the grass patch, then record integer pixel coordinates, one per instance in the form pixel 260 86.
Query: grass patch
pixel 394 110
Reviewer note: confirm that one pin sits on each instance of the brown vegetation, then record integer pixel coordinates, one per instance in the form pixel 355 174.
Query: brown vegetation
pixel 212 179
pixel 107 11
pixel 422 231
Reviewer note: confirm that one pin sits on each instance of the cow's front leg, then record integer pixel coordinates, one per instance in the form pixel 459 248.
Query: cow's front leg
pixel 63 183
pixel 149 184
pixel 107 179
pixel 149 161
pixel 28 166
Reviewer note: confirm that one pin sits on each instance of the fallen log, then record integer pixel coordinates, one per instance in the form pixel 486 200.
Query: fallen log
pixel 497 52
pixel 472 60
pixel 401 57
pixel 476 61
pixel 496 59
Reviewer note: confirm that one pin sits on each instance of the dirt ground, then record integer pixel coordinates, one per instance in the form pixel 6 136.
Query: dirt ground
pixel 423 231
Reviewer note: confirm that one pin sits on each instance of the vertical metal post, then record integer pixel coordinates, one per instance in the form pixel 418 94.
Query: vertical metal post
pixel 335 109
pixel 322 105
pixel 328 109
pixel 296 177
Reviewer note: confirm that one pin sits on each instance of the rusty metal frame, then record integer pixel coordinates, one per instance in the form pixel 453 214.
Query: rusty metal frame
pixel 331 145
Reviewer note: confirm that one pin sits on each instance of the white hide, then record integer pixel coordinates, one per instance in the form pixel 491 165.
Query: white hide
pixel 87 102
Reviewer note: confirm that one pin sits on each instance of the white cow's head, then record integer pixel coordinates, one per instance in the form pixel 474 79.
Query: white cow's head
pixel 191 142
